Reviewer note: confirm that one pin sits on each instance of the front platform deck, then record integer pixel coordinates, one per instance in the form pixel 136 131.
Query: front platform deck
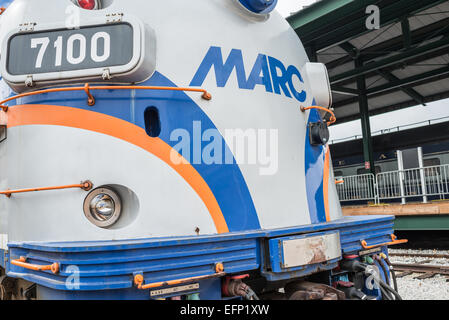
pixel 413 216
pixel 109 266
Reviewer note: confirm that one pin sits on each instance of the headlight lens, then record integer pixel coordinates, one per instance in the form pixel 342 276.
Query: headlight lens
pixel 88 4
pixel 102 207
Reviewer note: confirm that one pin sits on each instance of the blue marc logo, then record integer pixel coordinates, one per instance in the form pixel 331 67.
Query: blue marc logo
pixel 267 71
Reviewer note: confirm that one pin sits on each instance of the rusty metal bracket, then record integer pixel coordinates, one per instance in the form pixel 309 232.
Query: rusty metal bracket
pixel 303 290
pixel 3 123
pixel 3 133
pixel 90 99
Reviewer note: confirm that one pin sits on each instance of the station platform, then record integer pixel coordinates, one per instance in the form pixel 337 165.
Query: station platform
pixel 412 216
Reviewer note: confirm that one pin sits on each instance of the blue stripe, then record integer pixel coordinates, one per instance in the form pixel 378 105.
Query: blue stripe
pixel 314 165
pixel 177 111
pixel 111 264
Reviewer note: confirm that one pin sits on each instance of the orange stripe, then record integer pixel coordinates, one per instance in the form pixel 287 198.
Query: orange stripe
pixel 77 118
pixel 326 184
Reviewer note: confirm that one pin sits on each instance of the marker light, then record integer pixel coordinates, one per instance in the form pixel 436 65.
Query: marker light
pixel 259 6
pixel 88 4
pixel 102 207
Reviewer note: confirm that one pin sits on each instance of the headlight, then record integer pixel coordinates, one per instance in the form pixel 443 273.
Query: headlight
pixel 88 4
pixel 259 6
pixel 318 78
pixel 103 207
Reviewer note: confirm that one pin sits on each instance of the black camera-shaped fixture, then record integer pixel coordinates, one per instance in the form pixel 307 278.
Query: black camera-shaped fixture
pixel 318 133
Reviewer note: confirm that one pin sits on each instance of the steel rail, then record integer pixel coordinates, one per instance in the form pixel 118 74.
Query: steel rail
pixel 421 268
pixel 419 255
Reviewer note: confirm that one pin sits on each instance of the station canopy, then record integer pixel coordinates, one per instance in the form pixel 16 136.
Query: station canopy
pixel 402 64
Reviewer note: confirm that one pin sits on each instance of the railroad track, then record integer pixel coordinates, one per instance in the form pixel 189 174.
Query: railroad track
pixel 427 271
pixel 420 255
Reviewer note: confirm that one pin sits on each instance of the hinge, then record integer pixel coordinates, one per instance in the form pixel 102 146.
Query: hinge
pixel 106 74
pixel 27 26
pixel 29 82
pixel 114 17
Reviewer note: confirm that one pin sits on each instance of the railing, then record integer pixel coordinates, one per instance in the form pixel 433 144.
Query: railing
pixel 401 184
pixel 90 98
pixel 412 183
pixel 357 188
pixel 392 130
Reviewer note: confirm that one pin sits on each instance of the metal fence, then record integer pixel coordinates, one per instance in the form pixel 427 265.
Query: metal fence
pixel 355 188
pixel 402 184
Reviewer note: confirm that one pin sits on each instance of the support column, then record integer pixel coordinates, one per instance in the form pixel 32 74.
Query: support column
pixel 422 174
pixel 313 57
pixel 365 120
pixel 405 25
pixel 401 176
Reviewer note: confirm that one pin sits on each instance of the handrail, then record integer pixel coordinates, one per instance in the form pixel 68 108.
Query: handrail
pixel 91 100
pixel 86 185
pixel 21 262
pixel 332 119
pixel 393 242
pixel 139 279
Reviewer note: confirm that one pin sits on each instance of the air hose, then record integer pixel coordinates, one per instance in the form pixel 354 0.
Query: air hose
pixel 393 273
pixel 357 266
pixel 390 289
pixel 251 295
pixel 378 258
pixel 385 294
pixel 384 270
pixel 237 287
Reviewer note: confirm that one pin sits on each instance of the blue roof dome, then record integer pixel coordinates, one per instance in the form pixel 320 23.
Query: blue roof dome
pixel 259 6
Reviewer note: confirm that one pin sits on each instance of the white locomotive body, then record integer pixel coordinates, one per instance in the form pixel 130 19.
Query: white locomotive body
pixel 169 142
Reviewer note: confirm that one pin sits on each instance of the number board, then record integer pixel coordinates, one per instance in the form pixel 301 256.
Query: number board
pixel 69 50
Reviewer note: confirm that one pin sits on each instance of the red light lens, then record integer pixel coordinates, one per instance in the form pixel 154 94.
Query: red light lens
pixel 87 4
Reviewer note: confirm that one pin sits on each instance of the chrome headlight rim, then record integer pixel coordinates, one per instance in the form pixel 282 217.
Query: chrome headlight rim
pixel 117 207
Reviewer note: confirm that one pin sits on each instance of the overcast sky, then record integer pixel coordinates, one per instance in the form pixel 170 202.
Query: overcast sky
pixel 286 7
pixel 406 116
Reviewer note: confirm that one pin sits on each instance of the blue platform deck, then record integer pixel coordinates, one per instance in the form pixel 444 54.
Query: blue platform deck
pixel 104 265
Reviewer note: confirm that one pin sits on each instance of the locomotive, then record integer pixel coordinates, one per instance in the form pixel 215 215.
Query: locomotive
pixel 172 150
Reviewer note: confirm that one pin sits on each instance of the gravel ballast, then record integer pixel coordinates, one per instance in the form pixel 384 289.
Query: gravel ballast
pixel 435 288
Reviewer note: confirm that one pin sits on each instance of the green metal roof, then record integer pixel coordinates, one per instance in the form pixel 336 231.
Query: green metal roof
pixel 404 63
pixel 316 11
